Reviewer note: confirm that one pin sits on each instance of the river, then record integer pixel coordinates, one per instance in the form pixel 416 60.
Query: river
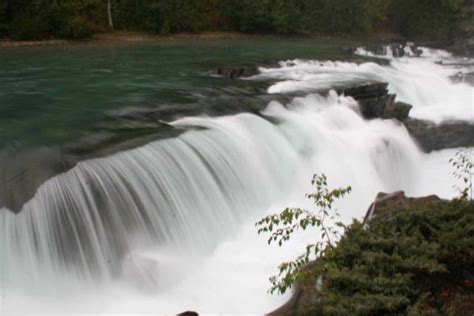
pixel 169 226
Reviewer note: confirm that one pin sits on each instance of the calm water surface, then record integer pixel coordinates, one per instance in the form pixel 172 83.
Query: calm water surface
pixel 51 95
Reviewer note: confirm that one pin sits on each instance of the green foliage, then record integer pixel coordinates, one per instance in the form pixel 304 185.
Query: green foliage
pixel 37 19
pixel 77 27
pixel 27 19
pixel 432 19
pixel 353 16
pixel 463 170
pixel 281 226
pixel 406 265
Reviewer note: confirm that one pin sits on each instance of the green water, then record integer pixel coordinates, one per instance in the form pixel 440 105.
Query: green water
pixel 52 95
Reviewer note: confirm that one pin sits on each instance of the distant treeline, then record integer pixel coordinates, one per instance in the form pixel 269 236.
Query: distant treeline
pixel 36 19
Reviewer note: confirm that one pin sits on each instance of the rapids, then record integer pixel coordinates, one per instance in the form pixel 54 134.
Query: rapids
pixel 424 82
pixel 169 226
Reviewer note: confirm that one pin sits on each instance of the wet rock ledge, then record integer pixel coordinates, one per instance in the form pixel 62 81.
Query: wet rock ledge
pixel 375 102
pixel 21 173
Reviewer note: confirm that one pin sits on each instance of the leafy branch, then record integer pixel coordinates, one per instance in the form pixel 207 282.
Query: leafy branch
pixel 283 225
pixel 463 171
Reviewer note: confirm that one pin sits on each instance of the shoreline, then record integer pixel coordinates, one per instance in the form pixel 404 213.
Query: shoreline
pixel 143 37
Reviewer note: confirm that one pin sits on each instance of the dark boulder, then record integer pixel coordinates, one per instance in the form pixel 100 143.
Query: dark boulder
pixel 431 136
pixel 397 110
pixel 366 90
pixel 372 108
pixel 236 72
pixel 188 313
pixel 375 101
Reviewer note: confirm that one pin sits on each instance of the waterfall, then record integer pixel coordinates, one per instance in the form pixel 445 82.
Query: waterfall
pixel 190 189
pixel 174 218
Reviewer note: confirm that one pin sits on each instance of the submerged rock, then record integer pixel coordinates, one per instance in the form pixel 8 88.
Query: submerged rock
pixel 431 136
pixel 236 72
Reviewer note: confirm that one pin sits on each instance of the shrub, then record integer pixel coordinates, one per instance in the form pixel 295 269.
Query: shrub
pixel 415 263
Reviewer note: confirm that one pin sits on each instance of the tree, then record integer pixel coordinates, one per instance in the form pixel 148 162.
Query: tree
pixel 109 15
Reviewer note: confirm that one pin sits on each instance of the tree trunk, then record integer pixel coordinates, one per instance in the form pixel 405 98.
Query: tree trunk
pixel 109 14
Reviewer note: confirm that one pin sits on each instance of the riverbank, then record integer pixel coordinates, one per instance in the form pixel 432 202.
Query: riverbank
pixel 143 37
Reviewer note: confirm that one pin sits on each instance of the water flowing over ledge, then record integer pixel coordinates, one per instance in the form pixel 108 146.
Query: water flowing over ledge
pixel 425 82
pixel 174 218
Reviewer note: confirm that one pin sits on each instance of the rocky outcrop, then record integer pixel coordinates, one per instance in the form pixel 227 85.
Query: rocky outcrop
pixel 236 72
pixel 397 110
pixel 431 136
pixel 397 49
pixel 385 204
pixel 22 172
pixel 375 101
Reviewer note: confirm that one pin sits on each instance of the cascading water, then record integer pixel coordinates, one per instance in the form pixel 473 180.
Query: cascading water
pixel 175 218
pixel 424 82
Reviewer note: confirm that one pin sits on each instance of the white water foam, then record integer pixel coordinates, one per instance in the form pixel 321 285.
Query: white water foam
pixel 423 82
pixel 169 227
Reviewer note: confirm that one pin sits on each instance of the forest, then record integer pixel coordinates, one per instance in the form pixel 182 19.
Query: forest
pixel 40 19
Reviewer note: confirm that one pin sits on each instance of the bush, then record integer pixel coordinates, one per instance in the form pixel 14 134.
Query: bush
pixel 417 262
